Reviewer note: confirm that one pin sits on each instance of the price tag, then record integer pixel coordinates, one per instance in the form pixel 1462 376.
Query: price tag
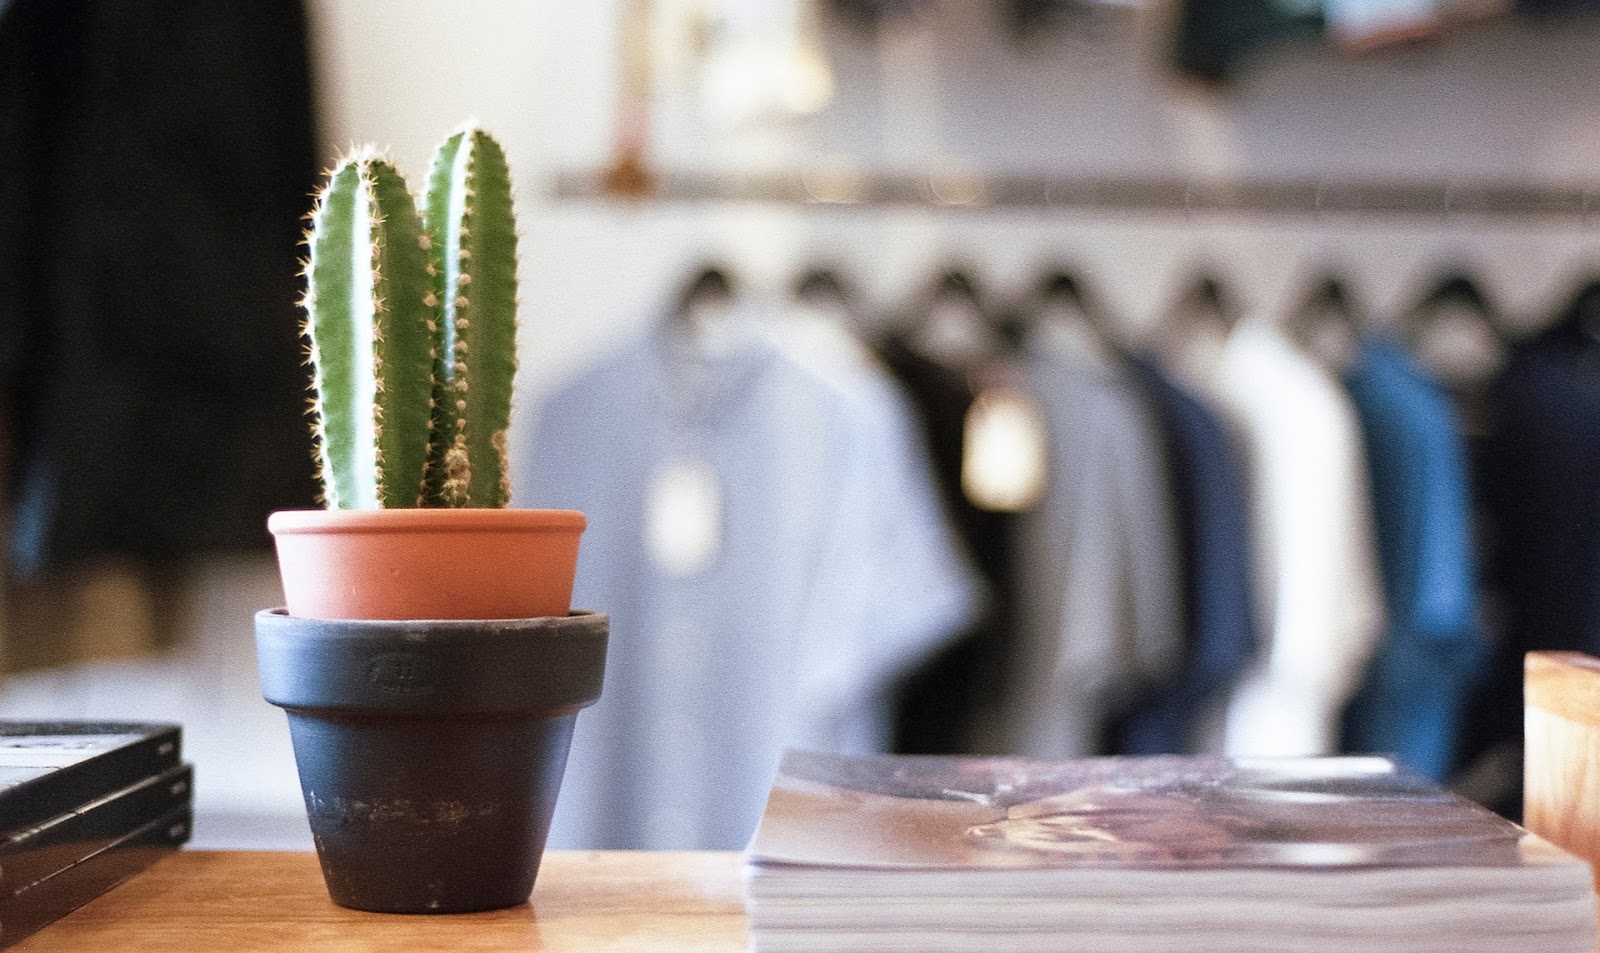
pixel 1005 451
pixel 683 517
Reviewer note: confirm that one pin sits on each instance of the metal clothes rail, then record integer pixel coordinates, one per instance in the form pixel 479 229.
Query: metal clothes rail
pixel 843 188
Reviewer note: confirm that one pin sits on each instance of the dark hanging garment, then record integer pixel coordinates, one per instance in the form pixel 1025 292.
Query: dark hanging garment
pixel 1212 524
pixel 1541 494
pixel 155 162
pixel 948 705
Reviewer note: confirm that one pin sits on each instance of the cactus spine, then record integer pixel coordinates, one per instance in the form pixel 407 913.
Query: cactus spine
pixel 469 218
pixel 371 344
pixel 412 324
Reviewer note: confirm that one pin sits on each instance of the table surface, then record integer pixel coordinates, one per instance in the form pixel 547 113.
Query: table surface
pixel 238 902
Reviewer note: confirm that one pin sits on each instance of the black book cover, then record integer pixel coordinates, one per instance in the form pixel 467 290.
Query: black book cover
pixel 48 769
pixel 34 853
pixel 26 911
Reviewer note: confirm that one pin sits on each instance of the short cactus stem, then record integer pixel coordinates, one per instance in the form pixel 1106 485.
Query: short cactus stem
pixel 368 328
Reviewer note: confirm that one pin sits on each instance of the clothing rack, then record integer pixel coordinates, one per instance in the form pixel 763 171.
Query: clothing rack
pixel 843 188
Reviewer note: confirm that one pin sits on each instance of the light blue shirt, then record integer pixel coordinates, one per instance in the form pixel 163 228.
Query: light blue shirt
pixel 834 574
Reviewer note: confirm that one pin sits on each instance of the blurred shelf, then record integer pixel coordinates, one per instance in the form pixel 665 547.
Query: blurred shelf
pixel 845 189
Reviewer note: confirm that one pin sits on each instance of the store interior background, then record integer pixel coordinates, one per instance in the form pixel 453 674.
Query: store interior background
pixel 946 94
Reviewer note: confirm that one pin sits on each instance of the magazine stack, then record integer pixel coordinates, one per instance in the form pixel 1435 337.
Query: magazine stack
pixel 83 807
pixel 1149 855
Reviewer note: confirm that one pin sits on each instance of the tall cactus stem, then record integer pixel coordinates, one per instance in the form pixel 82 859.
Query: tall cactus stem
pixel 472 241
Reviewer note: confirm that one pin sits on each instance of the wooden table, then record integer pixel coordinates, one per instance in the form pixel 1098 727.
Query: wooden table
pixel 200 901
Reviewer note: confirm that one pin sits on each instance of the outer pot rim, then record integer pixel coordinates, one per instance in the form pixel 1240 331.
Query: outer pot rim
pixel 433 519
pixel 420 668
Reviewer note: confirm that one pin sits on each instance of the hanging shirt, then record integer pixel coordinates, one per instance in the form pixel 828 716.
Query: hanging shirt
pixel 1317 575
pixel 1540 489
pixel 827 575
pixel 932 708
pixel 152 193
pixel 1098 604
pixel 953 704
pixel 1410 702
pixel 1212 529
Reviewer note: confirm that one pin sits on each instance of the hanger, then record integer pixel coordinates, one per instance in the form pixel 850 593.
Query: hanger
pixel 824 320
pixel 1063 287
pixel 1452 289
pixel 959 284
pixel 950 322
pixel 822 286
pixel 1330 297
pixel 710 286
pixel 1190 337
pixel 1204 306
pixel 1580 321
pixel 1454 330
pixel 709 314
pixel 1327 324
pixel 1204 300
pixel 1065 313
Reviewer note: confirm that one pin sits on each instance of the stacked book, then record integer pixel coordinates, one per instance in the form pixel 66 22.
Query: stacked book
pixel 83 807
pixel 1179 854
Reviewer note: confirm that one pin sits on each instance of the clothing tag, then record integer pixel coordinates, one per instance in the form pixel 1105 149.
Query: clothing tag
pixel 1004 459
pixel 683 517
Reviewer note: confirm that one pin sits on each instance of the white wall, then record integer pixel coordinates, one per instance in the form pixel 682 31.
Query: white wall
pixel 1508 102
pixel 1504 101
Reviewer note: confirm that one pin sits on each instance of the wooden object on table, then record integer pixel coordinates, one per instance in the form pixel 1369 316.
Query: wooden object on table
pixel 245 902
pixel 1561 767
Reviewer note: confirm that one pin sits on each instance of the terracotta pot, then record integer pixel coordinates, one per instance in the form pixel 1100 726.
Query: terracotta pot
pixel 427 563
pixel 430 753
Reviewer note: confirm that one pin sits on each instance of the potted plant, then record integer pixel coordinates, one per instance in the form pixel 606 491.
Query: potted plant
pixel 427 658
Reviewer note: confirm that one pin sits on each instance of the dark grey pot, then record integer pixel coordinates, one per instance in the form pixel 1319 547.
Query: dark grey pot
pixel 430 753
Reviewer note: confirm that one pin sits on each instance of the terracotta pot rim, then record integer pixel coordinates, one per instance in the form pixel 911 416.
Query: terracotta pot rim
pixel 443 627
pixel 461 520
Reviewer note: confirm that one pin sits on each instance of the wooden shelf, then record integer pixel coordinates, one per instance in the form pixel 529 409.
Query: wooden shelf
pixel 242 902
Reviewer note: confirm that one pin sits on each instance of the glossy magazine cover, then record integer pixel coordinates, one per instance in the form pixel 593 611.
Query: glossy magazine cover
pixel 1135 812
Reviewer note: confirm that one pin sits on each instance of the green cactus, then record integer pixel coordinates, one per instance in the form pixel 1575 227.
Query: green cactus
pixel 469 217
pixel 413 330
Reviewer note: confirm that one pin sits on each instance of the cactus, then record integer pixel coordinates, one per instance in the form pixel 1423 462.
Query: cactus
pixel 412 329
pixel 469 218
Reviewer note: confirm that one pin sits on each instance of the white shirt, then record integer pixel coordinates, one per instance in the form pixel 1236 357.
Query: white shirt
pixel 1318 580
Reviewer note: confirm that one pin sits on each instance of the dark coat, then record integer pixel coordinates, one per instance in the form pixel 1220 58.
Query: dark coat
pixel 156 157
